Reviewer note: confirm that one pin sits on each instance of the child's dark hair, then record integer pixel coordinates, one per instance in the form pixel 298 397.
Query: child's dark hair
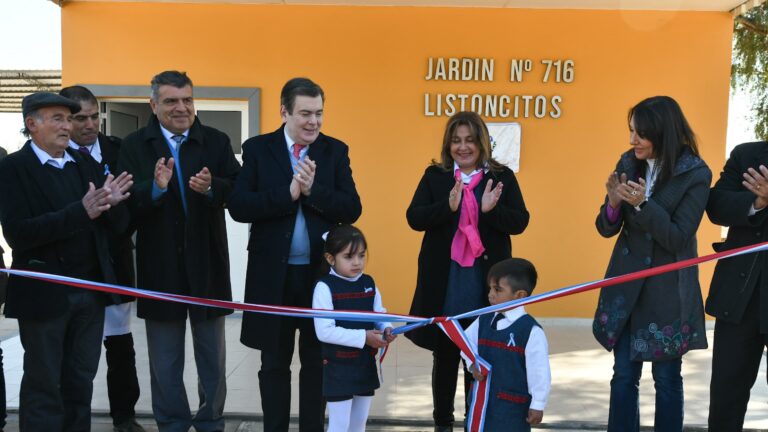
pixel 339 237
pixel 518 272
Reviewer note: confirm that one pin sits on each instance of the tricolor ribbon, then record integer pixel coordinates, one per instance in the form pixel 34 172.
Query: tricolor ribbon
pixel 480 389
pixel 449 325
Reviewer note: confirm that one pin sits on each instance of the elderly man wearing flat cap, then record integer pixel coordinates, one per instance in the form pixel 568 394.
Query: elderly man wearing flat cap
pixel 55 209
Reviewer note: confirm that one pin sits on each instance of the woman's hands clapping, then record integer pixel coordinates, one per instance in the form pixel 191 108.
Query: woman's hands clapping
pixel 454 197
pixel 488 201
pixel 612 186
pixel 490 196
pixel 619 189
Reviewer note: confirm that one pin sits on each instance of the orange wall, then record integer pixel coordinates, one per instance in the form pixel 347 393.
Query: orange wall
pixel 371 61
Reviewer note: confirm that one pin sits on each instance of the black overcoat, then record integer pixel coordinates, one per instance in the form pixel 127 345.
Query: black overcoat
pixel 120 244
pixel 36 229
pixel 262 197
pixel 430 212
pixel 736 278
pixel 178 253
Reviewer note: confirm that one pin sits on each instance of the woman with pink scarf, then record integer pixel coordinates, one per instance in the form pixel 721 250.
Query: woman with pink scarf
pixel 467 205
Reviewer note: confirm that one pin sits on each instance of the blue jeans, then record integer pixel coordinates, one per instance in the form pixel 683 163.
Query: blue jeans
pixel 624 415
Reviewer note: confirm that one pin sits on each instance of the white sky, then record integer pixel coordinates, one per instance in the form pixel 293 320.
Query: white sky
pixel 31 35
pixel 33 28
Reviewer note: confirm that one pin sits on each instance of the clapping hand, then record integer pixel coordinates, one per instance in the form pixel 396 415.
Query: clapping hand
pixel 305 175
pixel 633 193
pixel 454 197
pixel 95 201
pixel 757 183
pixel 118 188
pixel 612 186
pixel 163 172
pixel 490 196
pixel 201 181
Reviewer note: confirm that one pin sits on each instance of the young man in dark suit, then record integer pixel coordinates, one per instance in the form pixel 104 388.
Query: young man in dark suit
pixel 122 382
pixel 56 208
pixel 184 173
pixel 738 296
pixel 296 183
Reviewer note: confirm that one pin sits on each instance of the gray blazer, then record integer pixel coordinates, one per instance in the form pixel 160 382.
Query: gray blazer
pixel 664 314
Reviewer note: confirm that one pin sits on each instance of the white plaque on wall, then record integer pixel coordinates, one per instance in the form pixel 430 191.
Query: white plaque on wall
pixel 505 143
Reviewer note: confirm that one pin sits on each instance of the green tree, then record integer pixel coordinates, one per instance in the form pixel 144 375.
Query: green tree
pixel 750 63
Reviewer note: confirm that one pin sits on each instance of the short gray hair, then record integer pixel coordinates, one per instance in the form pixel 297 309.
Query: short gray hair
pixel 172 78
pixel 36 115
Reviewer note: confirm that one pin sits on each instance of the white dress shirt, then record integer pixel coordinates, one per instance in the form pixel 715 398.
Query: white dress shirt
pixel 466 178
pixel 536 356
pixel 45 158
pixel 168 135
pixel 94 149
pixel 326 329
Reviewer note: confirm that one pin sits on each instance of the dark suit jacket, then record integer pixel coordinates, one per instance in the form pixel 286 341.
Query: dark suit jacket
pixel 35 229
pixel 120 244
pixel 178 253
pixel 262 198
pixel 429 212
pixel 736 278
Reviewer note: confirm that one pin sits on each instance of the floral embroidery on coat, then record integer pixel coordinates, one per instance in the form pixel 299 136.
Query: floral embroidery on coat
pixel 609 317
pixel 656 341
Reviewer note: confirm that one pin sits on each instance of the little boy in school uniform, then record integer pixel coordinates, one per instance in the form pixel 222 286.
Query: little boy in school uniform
pixel 516 347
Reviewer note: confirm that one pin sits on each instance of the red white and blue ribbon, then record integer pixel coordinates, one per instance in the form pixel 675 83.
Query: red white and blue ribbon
pixel 480 389
pixel 347 315
pixel 449 325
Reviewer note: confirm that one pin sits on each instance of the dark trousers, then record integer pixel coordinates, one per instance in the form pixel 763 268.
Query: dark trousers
pixel 737 353
pixel 122 382
pixel 275 373
pixel 61 356
pixel 624 411
pixel 445 372
pixel 166 348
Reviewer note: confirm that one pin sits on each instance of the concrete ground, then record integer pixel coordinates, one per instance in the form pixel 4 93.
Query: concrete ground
pixel 581 371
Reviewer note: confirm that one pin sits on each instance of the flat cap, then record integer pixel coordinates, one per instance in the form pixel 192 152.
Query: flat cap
pixel 35 101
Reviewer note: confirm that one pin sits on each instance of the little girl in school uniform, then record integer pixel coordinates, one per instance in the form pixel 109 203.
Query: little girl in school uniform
pixel 349 347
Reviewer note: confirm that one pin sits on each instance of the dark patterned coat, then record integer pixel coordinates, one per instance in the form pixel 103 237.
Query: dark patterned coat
pixel 664 314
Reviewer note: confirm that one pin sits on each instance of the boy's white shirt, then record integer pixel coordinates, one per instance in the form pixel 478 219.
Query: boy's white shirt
pixel 326 328
pixel 536 356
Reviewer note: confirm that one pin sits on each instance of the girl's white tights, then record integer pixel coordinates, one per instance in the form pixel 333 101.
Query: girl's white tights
pixel 349 415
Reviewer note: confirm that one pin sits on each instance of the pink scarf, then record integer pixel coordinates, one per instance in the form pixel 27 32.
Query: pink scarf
pixel 466 245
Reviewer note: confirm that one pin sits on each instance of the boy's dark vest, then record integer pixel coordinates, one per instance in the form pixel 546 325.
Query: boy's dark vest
pixel 508 397
pixel 350 371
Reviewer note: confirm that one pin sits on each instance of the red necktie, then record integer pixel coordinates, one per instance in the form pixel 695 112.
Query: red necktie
pixel 297 148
